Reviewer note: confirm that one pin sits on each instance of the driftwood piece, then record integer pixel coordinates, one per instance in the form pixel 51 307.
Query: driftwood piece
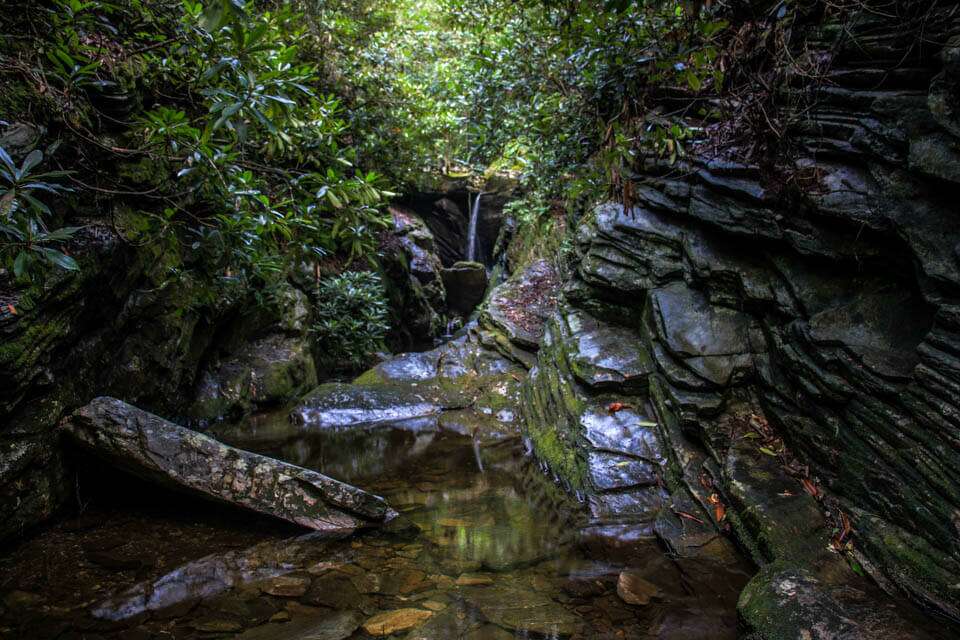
pixel 157 450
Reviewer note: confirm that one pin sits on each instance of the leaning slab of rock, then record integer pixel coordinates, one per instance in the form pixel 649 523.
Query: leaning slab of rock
pixel 159 451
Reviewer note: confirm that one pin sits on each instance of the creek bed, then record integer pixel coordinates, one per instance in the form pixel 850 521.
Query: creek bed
pixel 501 553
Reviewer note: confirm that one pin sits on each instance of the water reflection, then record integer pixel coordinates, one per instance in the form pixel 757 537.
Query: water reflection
pixel 215 574
pixel 501 553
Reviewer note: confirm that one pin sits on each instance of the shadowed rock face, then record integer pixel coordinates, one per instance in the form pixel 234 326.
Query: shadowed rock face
pixel 465 282
pixel 828 313
pixel 160 451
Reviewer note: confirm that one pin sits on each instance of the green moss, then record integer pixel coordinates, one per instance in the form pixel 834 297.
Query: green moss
pixel 15 98
pixel 562 458
pixel 370 377
pixel 148 171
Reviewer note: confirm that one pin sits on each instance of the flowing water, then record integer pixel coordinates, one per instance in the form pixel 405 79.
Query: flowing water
pixel 501 553
pixel 471 253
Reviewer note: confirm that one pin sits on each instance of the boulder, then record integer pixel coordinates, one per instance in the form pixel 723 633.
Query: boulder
pixel 269 371
pixel 465 283
pixel 175 457
pixel 634 589
pixel 412 277
pixel 19 139
pixel 519 308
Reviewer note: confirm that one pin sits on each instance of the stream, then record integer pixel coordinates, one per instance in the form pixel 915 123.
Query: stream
pixel 502 552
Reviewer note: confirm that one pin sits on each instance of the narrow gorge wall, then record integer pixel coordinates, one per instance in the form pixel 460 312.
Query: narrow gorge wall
pixel 791 321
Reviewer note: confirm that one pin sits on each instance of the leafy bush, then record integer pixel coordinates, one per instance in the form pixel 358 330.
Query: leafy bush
pixel 29 244
pixel 351 318
pixel 251 162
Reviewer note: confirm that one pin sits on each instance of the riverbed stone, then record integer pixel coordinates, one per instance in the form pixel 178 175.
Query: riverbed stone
pixel 522 610
pixel 396 621
pixel 318 625
pixel 286 586
pixel 635 589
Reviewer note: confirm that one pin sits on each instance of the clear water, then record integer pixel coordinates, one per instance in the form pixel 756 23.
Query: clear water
pixel 501 553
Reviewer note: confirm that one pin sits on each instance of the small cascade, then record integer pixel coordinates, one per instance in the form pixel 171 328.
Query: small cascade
pixel 472 229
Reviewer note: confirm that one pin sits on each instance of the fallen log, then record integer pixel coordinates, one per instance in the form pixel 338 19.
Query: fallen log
pixel 157 450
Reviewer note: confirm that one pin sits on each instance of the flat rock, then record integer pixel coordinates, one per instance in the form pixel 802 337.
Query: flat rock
pixel 690 326
pixel 343 405
pixel 286 586
pixel 523 610
pixel 390 622
pixel 602 354
pixel 338 626
pixel 520 306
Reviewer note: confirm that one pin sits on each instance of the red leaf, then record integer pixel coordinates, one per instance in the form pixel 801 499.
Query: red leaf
pixel 719 511
pixel 613 407
pixel 689 516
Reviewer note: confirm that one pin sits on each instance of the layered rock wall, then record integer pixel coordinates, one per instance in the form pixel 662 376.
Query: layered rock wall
pixel 799 322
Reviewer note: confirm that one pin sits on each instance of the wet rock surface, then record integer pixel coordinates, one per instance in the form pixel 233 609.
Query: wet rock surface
pixel 819 360
pixel 414 283
pixel 270 371
pixel 797 347
pixel 588 424
pixel 520 307
pixel 160 451
pixel 466 283
pixel 496 554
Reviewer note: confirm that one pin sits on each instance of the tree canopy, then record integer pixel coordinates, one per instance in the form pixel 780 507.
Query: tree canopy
pixel 259 136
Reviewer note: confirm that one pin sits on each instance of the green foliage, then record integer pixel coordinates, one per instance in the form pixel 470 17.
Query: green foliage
pixel 562 92
pixel 228 100
pixel 351 318
pixel 565 92
pixel 273 128
pixel 29 244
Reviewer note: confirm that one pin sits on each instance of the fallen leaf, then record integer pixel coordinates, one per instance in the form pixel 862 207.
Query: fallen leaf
pixel 705 480
pixel 768 451
pixel 12 309
pixel 689 516
pixel 719 512
pixel 786 494
pixel 846 529
pixel 613 407
pixel 809 487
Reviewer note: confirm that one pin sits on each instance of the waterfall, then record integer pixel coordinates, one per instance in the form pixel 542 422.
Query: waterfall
pixel 472 229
